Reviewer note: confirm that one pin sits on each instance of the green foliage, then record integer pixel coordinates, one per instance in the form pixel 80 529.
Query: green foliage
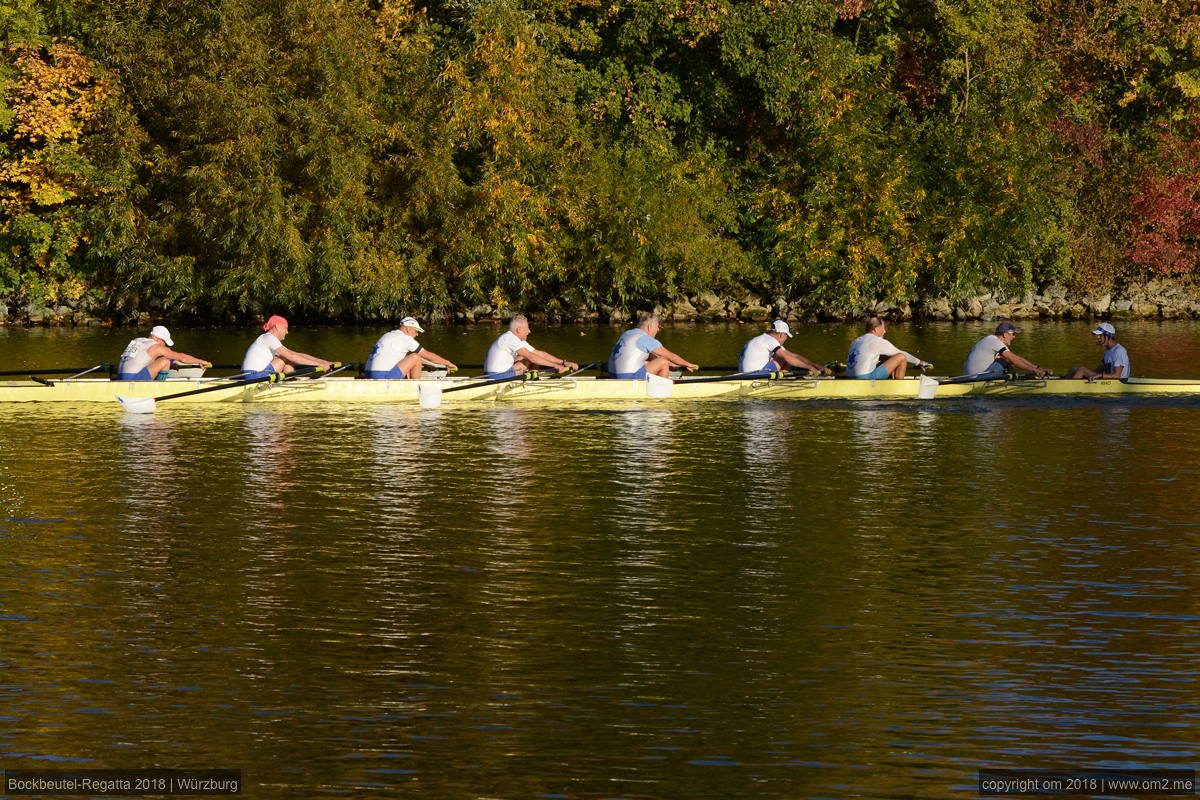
pixel 371 158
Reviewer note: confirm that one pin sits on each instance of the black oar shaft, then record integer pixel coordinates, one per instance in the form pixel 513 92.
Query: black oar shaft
pixel 978 378
pixel 237 384
pixel 740 376
pixel 521 377
pixel 584 368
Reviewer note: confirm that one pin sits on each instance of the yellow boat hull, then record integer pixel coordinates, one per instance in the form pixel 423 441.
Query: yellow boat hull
pixel 575 390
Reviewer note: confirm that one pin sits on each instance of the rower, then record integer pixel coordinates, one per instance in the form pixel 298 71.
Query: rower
pixel 637 353
pixel 991 354
pixel 874 357
pixel 766 353
pixel 1115 363
pixel 512 354
pixel 398 356
pixel 148 358
pixel 267 355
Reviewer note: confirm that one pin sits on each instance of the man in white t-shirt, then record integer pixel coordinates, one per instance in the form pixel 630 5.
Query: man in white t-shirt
pixel 145 357
pixel 512 354
pixel 766 353
pixel 874 357
pixel 267 355
pixel 637 353
pixel 1115 363
pixel 398 356
pixel 991 354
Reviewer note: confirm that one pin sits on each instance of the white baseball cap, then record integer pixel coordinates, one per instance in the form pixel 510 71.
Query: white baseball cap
pixel 411 322
pixel 1105 329
pixel 160 331
pixel 779 326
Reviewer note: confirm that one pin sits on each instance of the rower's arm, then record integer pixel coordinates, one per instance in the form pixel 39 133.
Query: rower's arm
pixel 1116 374
pixel 545 359
pixel 674 359
pixel 182 358
pixel 1023 363
pixel 300 359
pixel 799 361
pixel 433 357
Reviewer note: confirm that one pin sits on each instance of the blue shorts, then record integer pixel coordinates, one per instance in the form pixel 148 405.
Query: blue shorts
pixel 393 374
pixel 510 373
pixel 263 373
pixel 142 374
pixel 880 373
pixel 639 375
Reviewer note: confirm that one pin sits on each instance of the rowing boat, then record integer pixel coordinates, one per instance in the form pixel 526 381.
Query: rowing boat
pixel 555 391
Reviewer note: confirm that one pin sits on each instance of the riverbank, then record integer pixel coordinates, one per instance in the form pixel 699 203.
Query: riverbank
pixel 1156 299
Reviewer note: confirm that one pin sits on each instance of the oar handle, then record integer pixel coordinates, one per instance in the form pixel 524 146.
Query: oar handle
pixel 740 376
pixel 524 376
pixel 584 368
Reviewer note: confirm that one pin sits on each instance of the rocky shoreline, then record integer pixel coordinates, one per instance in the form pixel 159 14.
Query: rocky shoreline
pixel 1156 299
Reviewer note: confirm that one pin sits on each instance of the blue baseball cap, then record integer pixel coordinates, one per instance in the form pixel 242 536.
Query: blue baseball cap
pixel 1005 327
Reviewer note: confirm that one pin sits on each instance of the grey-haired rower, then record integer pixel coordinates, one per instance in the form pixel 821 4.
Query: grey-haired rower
pixel 511 353
pixel 1114 364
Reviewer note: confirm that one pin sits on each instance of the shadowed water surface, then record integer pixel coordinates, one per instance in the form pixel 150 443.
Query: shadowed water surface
pixel 765 599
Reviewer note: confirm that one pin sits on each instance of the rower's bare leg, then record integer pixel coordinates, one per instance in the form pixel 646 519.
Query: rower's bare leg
pixel 897 365
pixel 1079 372
pixel 410 365
pixel 657 365
pixel 282 366
pixel 160 364
pixel 520 364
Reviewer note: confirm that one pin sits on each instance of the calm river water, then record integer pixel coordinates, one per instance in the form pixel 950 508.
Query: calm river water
pixel 755 600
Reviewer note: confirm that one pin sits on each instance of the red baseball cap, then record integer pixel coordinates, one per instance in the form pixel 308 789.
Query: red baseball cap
pixel 274 320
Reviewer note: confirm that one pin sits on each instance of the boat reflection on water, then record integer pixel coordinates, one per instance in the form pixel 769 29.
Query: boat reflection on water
pixel 270 457
pixel 150 463
pixel 403 446
pixel 510 466
pixel 765 453
pixel 643 444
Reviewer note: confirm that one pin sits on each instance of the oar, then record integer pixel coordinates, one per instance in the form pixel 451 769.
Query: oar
pixel 739 376
pixel 430 394
pixel 584 368
pixel 45 382
pixel 339 367
pixel 146 405
pixel 977 378
pixel 72 371
pixel 523 376
pixel 833 366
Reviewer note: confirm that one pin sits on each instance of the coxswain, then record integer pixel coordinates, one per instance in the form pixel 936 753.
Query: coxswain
pixel 1114 364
